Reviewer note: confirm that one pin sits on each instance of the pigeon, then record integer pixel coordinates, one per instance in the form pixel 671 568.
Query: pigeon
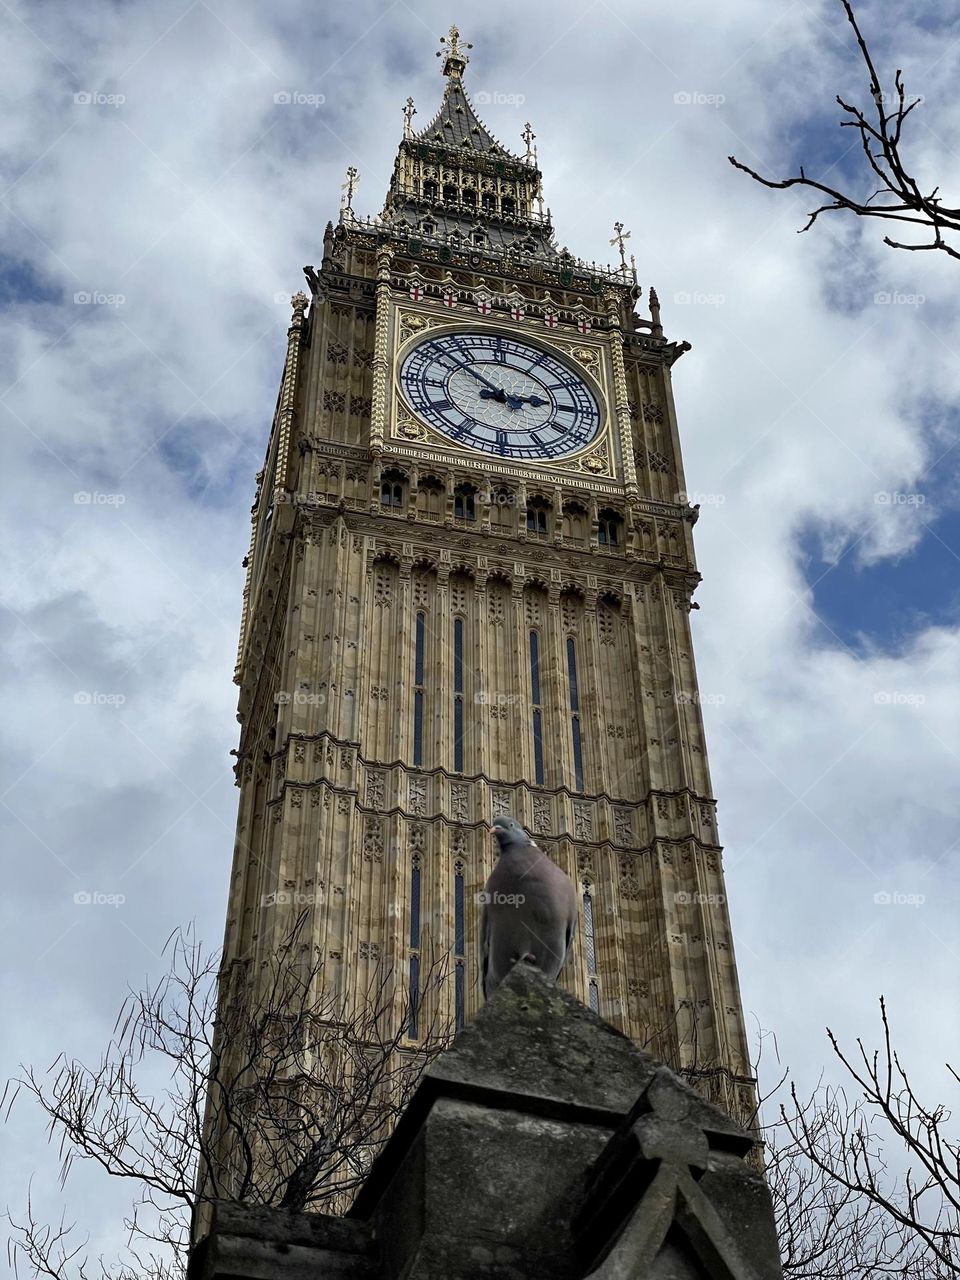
pixel 529 909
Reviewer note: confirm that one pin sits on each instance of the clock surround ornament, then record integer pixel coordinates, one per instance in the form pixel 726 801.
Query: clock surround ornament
pixel 500 394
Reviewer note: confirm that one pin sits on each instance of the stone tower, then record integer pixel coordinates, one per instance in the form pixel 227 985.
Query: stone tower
pixel 468 592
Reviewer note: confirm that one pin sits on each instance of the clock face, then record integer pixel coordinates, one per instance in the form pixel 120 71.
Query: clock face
pixel 496 393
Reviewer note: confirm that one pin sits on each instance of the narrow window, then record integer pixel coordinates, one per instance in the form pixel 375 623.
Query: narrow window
pixel 536 519
pixel 458 993
pixel 537 712
pixel 575 713
pixel 589 937
pixel 418 691
pixel 413 1017
pixel 415 904
pixel 594 996
pixel 458 901
pixel 458 695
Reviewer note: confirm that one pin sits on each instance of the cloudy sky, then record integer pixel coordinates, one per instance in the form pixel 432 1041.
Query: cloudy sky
pixel 157 199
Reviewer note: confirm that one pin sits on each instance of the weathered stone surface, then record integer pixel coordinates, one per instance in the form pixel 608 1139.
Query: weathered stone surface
pixel 543 1143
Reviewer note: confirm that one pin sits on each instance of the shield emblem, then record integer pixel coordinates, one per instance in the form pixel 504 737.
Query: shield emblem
pixel 444 253
pixel 596 286
pixel 414 247
pixel 566 276
pixel 475 259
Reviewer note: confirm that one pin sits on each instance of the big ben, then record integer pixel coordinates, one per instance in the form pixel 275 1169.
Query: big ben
pixel 468 592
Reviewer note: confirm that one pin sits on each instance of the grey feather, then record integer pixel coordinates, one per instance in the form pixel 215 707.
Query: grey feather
pixel 529 909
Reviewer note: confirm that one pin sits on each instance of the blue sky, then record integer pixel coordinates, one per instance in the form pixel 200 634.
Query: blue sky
pixel 184 211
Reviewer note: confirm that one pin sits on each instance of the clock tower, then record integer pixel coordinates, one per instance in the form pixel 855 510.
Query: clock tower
pixel 468 593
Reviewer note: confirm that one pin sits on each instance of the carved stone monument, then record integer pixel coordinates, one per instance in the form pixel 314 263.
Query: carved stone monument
pixel 542 1144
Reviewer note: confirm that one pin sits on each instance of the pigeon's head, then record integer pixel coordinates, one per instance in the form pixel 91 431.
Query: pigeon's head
pixel 508 831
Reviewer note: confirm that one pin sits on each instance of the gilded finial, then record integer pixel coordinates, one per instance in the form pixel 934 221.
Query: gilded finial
pixel 409 111
pixel 528 136
pixel 619 239
pixel 299 303
pixel 454 53
pixel 348 188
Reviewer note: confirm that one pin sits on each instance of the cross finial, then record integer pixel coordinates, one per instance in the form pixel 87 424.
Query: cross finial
pixel 619 239
pixel 409 111
pixel 454 53
pixel 528 136
pixel 348 188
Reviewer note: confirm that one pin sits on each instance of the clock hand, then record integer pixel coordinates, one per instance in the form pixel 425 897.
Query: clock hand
pixel 499 395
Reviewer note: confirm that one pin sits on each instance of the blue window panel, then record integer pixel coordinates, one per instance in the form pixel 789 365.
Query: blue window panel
pixel 458 734
pixel 458 914
pixel 572 673
pixel 577 755
pixel 418 727
pixel 413 1015
pixel 458 656
pixel 458 994
pixel 538 746
pixel 415 905
pixel 589 937
pixel 421 628
pixel 535 667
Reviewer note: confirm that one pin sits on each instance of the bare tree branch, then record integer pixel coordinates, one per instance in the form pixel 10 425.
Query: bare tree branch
pixel 880 140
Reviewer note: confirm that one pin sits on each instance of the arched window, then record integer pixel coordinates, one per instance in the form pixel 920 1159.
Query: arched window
pixel 537 709
pixel 575 522
pixel 469 197
pixel 575 713
pixel 449 192
pixel 507 204
pixel 594 991
pixel 430 189
pixel 488 200
pixel 537 509
pixel 430 498
pixel 503 503
pixel 464 502
pixel 418 689
pixel 391 489
pixel 479 238
pixel 610 529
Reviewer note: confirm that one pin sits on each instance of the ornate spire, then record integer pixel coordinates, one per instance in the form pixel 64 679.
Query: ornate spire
pixel 409 111
pixel 454 53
